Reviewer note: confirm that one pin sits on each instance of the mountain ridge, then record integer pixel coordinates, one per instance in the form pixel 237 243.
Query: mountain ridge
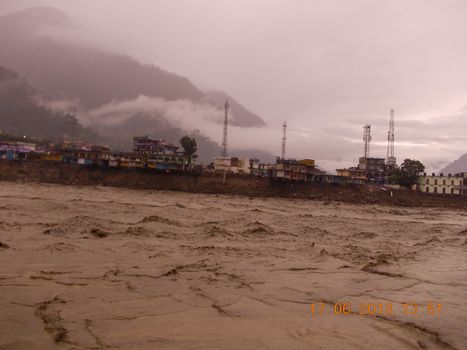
pixel 458 166
pixel 22 114
pixel 94 77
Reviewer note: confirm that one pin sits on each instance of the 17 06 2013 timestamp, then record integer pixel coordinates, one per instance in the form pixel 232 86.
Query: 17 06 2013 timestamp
pixel 375 308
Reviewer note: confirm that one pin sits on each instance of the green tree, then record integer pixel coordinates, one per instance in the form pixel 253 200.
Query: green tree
pixel 189 147
pixel 409 171
pixel 395 175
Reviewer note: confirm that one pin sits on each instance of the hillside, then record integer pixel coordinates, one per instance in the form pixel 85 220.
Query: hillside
pixel 20 114
pixel 458 166
pixel 65 70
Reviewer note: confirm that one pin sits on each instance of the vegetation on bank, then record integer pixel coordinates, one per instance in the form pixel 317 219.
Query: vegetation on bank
pixel 407 174
pixel 189 147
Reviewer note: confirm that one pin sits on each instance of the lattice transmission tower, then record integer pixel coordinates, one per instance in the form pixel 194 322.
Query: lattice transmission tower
pixel 224 135
pixel 367 139
pixel 284 138
pixel 391 159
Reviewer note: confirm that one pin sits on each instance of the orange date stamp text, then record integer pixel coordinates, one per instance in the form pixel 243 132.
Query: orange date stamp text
pixel 375 308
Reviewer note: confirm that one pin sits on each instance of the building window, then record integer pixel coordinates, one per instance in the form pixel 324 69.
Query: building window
pixel 436 189
pixel 444 189
pixel 436 182
pixel 444 182
pixel 427 189
pixel 452 190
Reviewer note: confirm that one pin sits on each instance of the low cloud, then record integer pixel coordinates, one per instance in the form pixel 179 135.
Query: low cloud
pixel 184 114
pixel 62 106
pixel 333 146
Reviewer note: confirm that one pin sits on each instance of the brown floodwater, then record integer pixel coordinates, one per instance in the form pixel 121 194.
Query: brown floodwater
pixel 98 267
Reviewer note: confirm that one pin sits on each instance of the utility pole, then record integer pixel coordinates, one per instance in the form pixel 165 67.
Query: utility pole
pixel 367 139
pixel 284 130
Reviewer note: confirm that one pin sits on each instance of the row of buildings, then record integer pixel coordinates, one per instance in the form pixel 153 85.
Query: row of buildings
pixel 17 150
pixel 302 170
pixel 147 153
pixel 368 171
pixel 291 170
pixel 161 155
pixel 286 169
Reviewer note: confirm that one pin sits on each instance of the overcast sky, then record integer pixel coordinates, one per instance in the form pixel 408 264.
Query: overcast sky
pixel 327 67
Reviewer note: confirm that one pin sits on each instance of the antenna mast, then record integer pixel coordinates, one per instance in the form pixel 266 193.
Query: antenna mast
pixel 284 129
pixel 391 160
pixel 367 139
pixel 224 135
pixel 72 115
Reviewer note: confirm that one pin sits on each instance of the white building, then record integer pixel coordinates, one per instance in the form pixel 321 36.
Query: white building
pixel 232 165
pixel 444 184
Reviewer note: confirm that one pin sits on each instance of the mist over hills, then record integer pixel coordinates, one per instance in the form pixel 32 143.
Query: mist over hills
pixel 21 114
pixel 65 70
pixel 242 116
pixel 58 75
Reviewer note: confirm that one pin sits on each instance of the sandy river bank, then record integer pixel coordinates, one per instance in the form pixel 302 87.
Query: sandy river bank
pixel 98 267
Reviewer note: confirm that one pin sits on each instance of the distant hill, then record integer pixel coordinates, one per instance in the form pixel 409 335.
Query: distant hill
pixel 65 70
pixel 458 166
pixel 20 114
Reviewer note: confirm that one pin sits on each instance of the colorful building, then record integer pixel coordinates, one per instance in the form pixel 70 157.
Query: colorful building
pixel 125 160
pixel 84 154
pixel 13 150
pixel 352 175
pixel 149 146
pixel 295 170
pixel 160 154
pixel 375 169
